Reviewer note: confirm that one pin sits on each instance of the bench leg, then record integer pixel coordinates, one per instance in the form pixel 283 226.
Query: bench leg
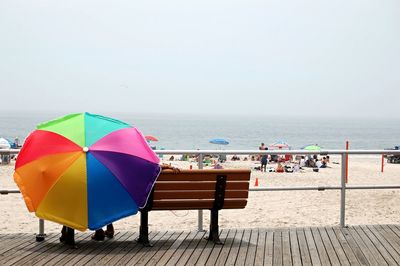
pixel 214 228
pixel 144 229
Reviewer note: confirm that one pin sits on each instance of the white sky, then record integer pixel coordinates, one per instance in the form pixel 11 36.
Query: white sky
pixel 324 57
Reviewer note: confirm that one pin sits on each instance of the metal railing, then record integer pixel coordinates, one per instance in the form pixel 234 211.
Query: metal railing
pixel 343 186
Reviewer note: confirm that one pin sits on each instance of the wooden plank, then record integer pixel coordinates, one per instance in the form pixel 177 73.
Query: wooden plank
pixel 304 253
pixel 43 256
pixel 389 236
pixel 323 256
pixel 212 259
pixel 171 250
pixel 113 250
pixel 294 246
pixel 372 249
pixel 12 242
pixel 139 252
pixel 196 204
pixel 381 247
pixel 205 253
pixel 205 175
pixel 312 247
pixel 369 252
pixel 191 248
pixel 244 246
pixel 354 247
pixel 235 248
pixel 148 255
pixel 57 249
pixel 392 251
pixel 131 248
pixel 27 252
pixel 335 233
pixel 260 247
pixel 182 248
pixel 83 254
pixel 287 255
pixel 277 248
pixel 197 194
pixel 205 185
pixel 104 247
pixel 395 229
pixel 269 248
pixel 223 255
pixel 197 251
pixel 331 249
pixel 251 252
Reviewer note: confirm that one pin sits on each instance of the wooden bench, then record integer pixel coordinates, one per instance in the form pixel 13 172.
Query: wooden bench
pixel 197 190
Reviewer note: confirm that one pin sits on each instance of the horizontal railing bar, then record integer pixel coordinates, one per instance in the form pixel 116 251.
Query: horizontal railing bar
pixel 9 151
pixel 7 191
pixel 246 152
pixel 320 188
pixel 294 188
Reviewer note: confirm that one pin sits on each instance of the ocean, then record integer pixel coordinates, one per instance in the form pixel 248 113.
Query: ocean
pixel 243 132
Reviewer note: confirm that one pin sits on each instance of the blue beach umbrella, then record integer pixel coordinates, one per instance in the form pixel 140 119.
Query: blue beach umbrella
pixel 219 141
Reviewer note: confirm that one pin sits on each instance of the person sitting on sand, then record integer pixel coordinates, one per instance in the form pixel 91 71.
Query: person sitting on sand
pixel 67 233
pixel 279 168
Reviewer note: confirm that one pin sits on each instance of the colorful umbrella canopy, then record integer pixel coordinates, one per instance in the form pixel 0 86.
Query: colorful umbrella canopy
pixel 85 171
pixel 219 141
pixel 312 147
pixel 150 138
pixel 280 144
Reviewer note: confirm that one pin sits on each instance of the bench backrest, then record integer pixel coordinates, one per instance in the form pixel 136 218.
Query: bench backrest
pixel 196 189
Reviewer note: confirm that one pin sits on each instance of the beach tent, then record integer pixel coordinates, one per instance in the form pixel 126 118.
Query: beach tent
pixel 279 145
pixel 4 144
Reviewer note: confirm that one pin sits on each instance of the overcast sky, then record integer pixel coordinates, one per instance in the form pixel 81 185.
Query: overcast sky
pixel 285 57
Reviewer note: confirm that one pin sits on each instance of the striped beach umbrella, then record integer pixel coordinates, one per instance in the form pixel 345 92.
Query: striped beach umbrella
pixel 85 171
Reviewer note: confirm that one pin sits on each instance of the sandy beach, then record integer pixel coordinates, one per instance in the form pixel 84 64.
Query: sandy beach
pixel 264 209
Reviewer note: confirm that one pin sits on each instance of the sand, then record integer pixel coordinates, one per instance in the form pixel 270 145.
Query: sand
pixel 264 209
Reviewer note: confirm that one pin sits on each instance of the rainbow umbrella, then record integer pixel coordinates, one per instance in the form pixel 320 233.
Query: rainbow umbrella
pixel 85 171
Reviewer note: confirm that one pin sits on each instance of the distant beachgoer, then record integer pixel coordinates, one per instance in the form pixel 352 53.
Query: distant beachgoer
pixel 318 163
pixel 302 162
pixel 171 158
pixel 261 148
pixel 218 166
pixel 264 161
pixel 279 168
pixel 327 159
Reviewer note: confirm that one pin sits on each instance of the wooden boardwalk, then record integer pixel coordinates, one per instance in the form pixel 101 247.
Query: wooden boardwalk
pixel 356 245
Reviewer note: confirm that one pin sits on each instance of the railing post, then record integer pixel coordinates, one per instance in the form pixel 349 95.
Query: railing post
pixel 200 212
pixel 40 237
pixel 343 192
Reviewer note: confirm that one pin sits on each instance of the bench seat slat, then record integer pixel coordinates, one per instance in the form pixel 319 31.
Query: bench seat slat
pixel 196 204
pixel 196 194
pixel 207 185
